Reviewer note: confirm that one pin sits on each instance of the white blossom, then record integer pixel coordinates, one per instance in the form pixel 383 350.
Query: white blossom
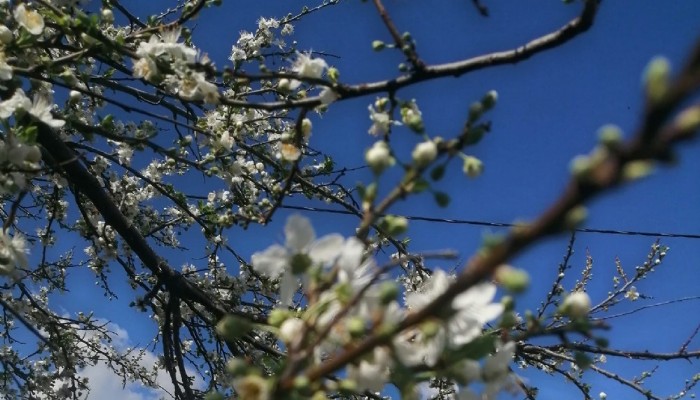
pixel 371 375
pixel 381 122
pixel 308 67
pixel 13 252
pixel 379 157
pixel 301 247
pixel 576 305
pixel 424 153
pixel 30 20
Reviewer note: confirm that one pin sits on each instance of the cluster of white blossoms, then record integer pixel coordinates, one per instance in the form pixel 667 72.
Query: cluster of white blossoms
pixel 179 77
pixel 13 253
pixel 19 156
pixel 358 303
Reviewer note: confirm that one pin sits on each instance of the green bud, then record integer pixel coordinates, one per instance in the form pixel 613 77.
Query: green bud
pixel 610 136
pixel 378 45
pixel 581 166
pixel 333 74
pixel 394 224
pixel 388 292
pixel 430 328
pixel 301 382
pixel 489 100
pixel 278 316
pixel 637 169
pixel 656 78
pixel 347 385
pixel 688 120
pixel 356 327
pixel 508 320
pixel 575 217
pixel 232 327
pixel 514 280
pixel 476 110
pixel 508 303
pixel 236 366
pixel 214 396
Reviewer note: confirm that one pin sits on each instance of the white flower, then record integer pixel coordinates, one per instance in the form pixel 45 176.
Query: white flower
pixel 381 122
pixel 379 157
pixel 5 34
pixel 226 141
pixel 167 45
pixel 145 68
pixel 424 153
pixel 301 249
pixel 194 86
pixel 371 376
pixel 308 67
pixel 472 308
pixel 289 152
pixel 287 29
pixel 13 252
pixel 473 167
pixel 252 387
pixel 30 20
pixel 291 330
pixel 603 395
pixel 5 68
pixel 327 95
pixel 632 294
pixel 19 100
pixel 41 109
pixel 576 305
pixel 495 372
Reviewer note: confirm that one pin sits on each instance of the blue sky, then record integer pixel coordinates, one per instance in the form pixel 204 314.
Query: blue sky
pixel 549 110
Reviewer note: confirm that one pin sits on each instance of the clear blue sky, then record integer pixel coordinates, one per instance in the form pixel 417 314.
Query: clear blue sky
pixel 548 112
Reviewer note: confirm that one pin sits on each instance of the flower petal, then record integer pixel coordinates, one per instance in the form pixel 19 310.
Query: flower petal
pixel 271 262
pixel 326 249
pixel 299 233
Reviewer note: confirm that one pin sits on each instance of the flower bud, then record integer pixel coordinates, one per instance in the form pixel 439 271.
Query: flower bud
pixel 512 279
pixel 637 170
pixel 610 136
pixel 306 126
pixel 575 217
pixel 656 78
pixel 333 74
pixel 378 45
pixel 489 99
pixel 388 292
pixel 473 167
pixel 5 34
pixel 424 153
pixel 75 96
pixel 291 330
pixel 379 157
pixel 688 120
pixel 232 327
pixel 576 305
pixel 107 15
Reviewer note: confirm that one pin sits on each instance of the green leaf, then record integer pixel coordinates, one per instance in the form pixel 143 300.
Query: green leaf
pixel 442 199
pixel 437 173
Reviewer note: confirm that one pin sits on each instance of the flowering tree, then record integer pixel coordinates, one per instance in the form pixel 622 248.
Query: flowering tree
pixel 108 118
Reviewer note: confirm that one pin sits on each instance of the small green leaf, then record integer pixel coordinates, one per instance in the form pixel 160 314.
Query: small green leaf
pixel 437 173
pixel 442 199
